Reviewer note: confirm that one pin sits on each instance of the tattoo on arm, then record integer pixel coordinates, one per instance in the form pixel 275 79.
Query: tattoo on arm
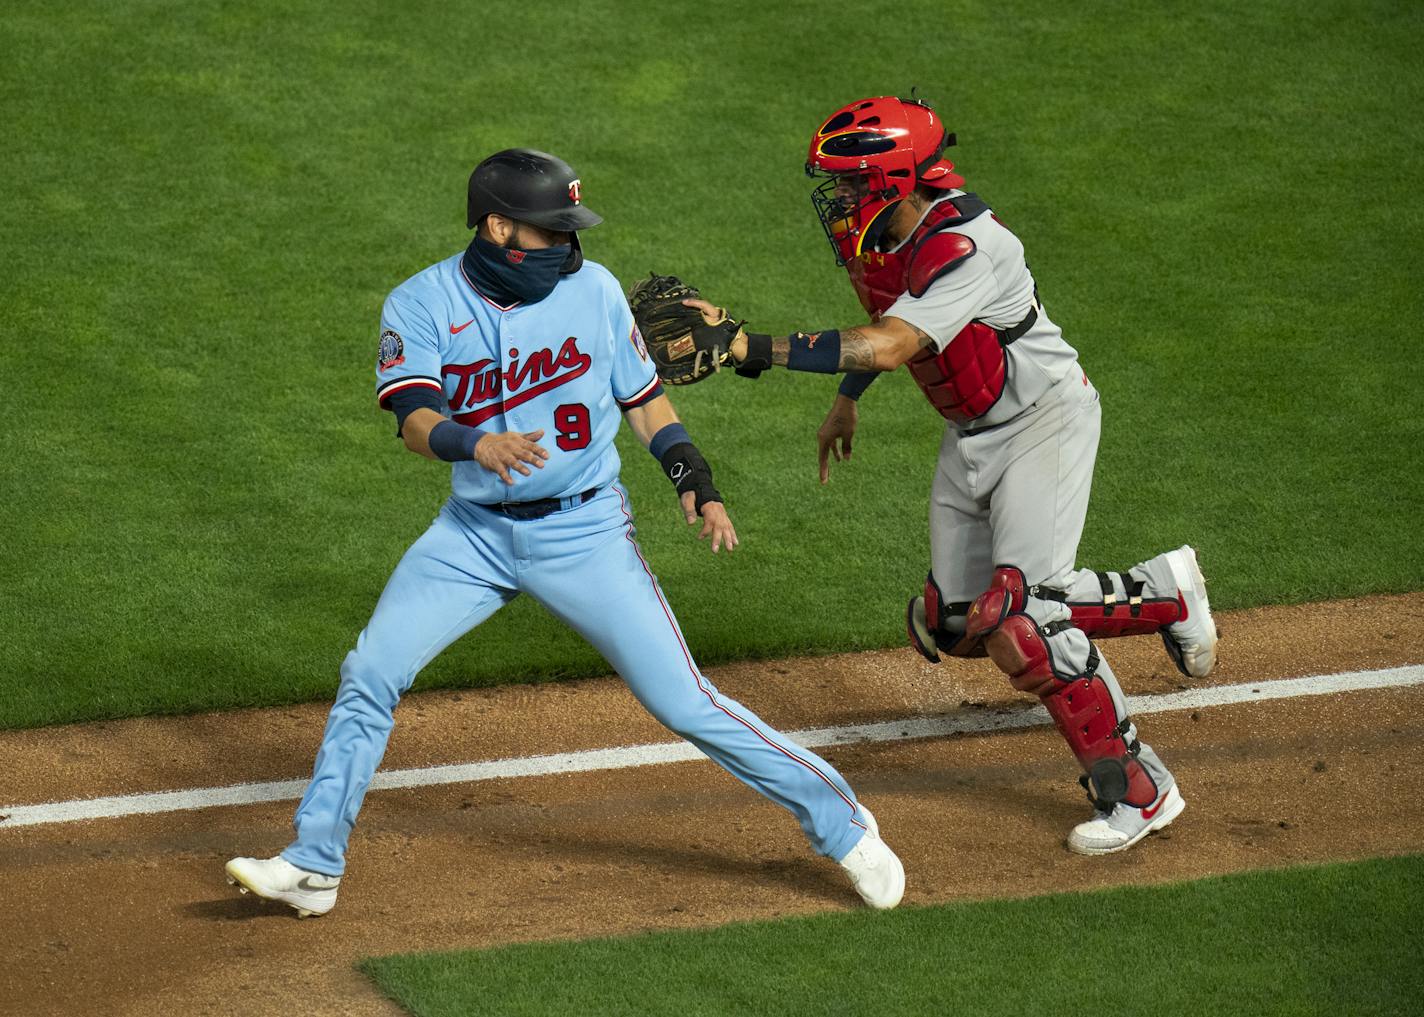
pixel 922 335
pixel 780 350
pixel 857 353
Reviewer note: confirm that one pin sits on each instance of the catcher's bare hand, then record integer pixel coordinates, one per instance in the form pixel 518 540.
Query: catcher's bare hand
pixel 711 314
pixel 685 344
pixel 715 521
pixel 511 450
pixel 839 426
pixel 714 315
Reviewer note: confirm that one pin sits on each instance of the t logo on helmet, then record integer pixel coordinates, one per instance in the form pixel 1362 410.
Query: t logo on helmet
pixel 529 186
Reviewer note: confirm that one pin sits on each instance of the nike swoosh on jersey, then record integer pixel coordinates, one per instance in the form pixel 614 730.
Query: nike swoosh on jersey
pixel 457 329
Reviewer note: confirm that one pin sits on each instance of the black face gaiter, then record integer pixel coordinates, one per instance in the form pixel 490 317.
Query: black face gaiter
pixel 510 274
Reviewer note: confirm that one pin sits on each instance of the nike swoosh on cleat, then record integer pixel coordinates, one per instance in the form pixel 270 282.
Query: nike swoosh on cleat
pixel 457 329
pixel 305 883
pixel 1148 813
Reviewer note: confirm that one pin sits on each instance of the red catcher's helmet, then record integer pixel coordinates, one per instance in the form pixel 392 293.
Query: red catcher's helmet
pixel 874 152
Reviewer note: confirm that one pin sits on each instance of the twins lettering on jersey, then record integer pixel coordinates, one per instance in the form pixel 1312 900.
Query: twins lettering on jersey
pixel 484 389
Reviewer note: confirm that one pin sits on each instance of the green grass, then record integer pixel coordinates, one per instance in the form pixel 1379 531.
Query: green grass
pixel 209 202
pixel 1327 940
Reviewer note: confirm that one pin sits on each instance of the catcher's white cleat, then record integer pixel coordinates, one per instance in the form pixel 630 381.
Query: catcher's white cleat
pixel 278 879
pixel 1191 641
pixel 1124 826
pixel 874 869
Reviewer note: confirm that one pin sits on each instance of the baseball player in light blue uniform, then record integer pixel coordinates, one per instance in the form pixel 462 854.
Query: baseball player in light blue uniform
pixel 514 360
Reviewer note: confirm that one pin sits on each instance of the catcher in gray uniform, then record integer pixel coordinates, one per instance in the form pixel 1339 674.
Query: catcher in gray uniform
pixel 950 297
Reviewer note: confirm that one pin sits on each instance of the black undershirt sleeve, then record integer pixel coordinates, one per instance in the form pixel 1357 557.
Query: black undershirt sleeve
pixel 408 400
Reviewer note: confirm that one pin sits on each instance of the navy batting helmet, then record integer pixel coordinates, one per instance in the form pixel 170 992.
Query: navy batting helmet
pixel 533 187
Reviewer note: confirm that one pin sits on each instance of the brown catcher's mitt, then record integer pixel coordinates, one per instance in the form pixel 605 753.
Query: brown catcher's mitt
pixel 685 349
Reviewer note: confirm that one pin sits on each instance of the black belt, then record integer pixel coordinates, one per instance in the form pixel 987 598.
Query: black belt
pixel 971 432
pixel 541 508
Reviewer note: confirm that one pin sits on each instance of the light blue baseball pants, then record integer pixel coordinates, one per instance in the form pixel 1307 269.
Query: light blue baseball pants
pixel 584 565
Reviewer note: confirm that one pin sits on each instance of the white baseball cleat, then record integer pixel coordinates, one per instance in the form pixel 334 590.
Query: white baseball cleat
pixel 874 869
pixel 278 879
pixel 1124 826
pixel 1191 641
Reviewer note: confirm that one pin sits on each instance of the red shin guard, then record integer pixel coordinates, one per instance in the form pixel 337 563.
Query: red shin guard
pixel 1077 699
pixel 1126 615
pixel 1084 715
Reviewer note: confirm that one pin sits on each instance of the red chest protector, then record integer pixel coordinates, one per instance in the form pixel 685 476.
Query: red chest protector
pixel 966 379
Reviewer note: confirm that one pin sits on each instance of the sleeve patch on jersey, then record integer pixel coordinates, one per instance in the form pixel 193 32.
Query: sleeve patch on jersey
pixel 636 338
pixel 391 352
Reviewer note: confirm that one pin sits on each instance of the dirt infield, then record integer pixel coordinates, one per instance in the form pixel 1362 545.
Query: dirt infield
pixel 132 916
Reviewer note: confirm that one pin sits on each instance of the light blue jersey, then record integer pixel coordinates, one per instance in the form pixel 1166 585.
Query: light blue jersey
pixel 567 366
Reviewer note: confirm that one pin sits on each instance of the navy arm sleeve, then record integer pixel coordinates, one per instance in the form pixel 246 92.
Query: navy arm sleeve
pixel 407 400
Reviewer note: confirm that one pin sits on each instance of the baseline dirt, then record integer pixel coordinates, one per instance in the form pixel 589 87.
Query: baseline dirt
pixel 132 916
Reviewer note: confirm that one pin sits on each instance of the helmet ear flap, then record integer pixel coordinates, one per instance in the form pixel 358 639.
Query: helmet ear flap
pixel 574 261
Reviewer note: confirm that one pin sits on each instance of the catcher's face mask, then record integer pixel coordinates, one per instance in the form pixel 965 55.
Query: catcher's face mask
pixel 854 209
pixel 872 153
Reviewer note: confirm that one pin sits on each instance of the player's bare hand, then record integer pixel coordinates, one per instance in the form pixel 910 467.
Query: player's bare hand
pixel 714 315
pixel 715 522
pixel 711 313
pixel 511 450
pixel 837 430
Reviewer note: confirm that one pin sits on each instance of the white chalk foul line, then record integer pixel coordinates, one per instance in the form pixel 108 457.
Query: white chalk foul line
pixel 676 752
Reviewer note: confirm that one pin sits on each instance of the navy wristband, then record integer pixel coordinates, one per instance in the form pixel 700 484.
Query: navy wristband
pixel 853 385
pixel 668 435
pixel 454 442
pixel 819 352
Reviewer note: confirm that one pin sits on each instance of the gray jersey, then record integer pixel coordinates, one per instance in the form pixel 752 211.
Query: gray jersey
pixel 993 285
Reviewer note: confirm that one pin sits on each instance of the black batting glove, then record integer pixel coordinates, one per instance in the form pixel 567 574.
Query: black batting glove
pixel 688 471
